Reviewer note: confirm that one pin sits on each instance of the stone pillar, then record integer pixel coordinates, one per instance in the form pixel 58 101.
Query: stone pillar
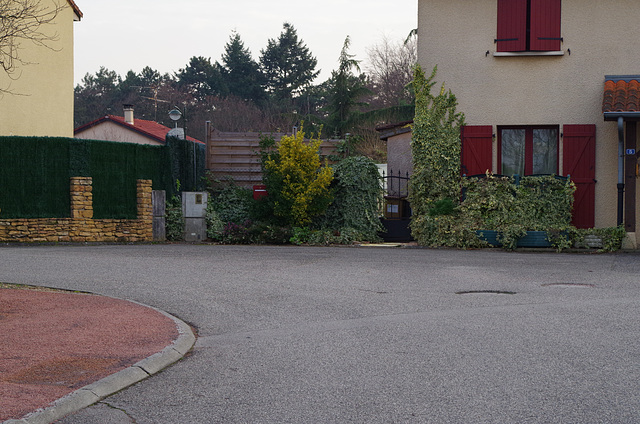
pixel 145 203
pixel 81 197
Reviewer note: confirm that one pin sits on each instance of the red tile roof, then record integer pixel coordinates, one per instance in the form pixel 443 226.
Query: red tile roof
pixel 621 94
pixel 150 129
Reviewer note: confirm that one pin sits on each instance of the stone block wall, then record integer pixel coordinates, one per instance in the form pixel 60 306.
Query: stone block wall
pixel 81 227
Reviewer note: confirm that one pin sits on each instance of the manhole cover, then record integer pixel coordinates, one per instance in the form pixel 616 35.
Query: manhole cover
pixel 485 292
pixel 578 285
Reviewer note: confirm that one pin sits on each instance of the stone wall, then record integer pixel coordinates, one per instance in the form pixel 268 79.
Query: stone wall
pixel 81 227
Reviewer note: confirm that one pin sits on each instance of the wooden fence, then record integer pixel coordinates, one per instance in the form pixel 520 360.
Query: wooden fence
pixel 236 155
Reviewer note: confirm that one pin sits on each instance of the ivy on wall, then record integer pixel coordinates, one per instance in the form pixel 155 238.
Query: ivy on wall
pixel 435 146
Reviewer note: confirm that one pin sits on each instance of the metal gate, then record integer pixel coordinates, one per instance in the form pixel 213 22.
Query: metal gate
pixel 397 210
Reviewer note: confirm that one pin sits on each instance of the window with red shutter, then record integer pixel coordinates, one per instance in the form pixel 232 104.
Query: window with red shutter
pixel 529 25
pixel 512 25
pixel 544 32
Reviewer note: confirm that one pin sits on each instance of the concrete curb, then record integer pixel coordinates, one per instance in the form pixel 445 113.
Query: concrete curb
pixel 95 392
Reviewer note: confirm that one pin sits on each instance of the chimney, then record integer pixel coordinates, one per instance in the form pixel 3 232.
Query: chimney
pixel 128 114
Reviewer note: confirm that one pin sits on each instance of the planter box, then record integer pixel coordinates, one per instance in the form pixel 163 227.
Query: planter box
pixel 531 239
pixel 534 239
pixel 490 236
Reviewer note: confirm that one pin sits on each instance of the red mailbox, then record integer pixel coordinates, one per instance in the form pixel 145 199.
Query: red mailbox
pixel 259 191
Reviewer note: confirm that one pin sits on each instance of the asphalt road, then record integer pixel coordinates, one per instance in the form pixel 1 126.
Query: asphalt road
pixel 369 335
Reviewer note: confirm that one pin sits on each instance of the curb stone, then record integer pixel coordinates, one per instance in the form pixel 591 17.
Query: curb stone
pixel 95 392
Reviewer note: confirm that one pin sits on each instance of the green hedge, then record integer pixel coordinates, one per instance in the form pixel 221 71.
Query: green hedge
pixel 35 172
pixel 34 177
pixel 181 156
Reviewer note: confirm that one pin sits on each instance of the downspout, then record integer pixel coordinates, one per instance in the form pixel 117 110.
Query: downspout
pixel 620 170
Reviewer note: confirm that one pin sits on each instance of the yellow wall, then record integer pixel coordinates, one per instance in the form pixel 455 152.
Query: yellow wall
pixel 42 99
pixel 458 36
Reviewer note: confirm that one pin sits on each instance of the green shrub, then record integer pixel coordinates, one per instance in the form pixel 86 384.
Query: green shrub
pixel 297 182
pixel 233 204
pixel 214 223
pixel 174 220
pixel 357 196
pixel 537 203
pixel 435 149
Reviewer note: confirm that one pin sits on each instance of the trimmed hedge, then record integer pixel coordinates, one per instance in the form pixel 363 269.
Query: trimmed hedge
pixel 35 172
pixel 34 177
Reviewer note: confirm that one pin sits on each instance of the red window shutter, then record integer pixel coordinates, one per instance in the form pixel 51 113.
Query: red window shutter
pixel 477 144
pixel 512 26
pixel 545 25
pixel 579 161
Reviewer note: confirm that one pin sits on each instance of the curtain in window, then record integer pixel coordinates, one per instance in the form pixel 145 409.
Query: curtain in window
pixel 513 151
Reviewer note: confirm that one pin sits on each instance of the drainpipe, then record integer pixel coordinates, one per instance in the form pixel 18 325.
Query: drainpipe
pixel 620 170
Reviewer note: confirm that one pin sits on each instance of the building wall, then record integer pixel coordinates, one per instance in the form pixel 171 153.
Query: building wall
pixel 458 36
pixel 399 154
pixel 42 99
pixel 111 131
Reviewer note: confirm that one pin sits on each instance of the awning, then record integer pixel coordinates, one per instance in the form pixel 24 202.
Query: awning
pixel 621 97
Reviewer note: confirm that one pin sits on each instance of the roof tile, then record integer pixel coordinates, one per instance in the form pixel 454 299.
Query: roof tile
pixel 621 94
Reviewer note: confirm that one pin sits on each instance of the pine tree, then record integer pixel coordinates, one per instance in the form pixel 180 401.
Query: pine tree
pixel 345 89
pixel 241 73
pixel 201 78
pixel 287 64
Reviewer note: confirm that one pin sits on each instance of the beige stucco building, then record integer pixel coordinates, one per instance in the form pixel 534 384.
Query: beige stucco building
pixel 552 91
pixel 39 101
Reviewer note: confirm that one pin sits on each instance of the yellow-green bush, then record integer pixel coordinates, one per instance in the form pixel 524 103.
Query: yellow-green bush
pixel 297 182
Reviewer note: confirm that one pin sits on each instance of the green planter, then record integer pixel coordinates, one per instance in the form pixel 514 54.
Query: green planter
pixel 531 239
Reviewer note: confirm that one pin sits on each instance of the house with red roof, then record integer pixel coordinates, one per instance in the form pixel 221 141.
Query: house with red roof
pixel 547 87
pixel 126 129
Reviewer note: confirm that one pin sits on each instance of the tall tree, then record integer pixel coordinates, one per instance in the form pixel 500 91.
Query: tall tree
pixel 390 70
pixel 287 64
pixel 201 78
pixel 345 90
pixel 241 73
pixel 96 96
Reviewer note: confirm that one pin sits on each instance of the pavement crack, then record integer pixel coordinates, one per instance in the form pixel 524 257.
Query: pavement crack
pixel 115 408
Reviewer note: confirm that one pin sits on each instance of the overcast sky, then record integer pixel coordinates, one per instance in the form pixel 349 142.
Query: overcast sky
pixel 125 35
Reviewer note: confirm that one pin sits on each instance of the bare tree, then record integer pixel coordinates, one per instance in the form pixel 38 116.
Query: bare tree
pixel 390 69
pixel 24 21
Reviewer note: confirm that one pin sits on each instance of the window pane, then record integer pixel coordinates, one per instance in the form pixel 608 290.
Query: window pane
pixel 545 151
pixel 513 141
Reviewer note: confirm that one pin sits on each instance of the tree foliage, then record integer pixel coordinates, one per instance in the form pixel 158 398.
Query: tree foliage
pixel 297 182
pixel 357 198
pixel 240 94
pixel 241 73
pixel 201 78
pixel 435 147
pixel 345 91
pixel 287 64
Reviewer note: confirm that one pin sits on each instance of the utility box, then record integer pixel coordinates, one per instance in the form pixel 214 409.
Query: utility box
pixel 194 212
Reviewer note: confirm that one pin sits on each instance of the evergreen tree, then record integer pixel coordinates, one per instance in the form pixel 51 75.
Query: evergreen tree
pixel 96 96
pixel 201 78
pixel 287 64
pixel 241 73
pixel 345 89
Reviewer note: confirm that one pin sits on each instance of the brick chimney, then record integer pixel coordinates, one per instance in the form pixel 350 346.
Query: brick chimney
pixel 128 114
